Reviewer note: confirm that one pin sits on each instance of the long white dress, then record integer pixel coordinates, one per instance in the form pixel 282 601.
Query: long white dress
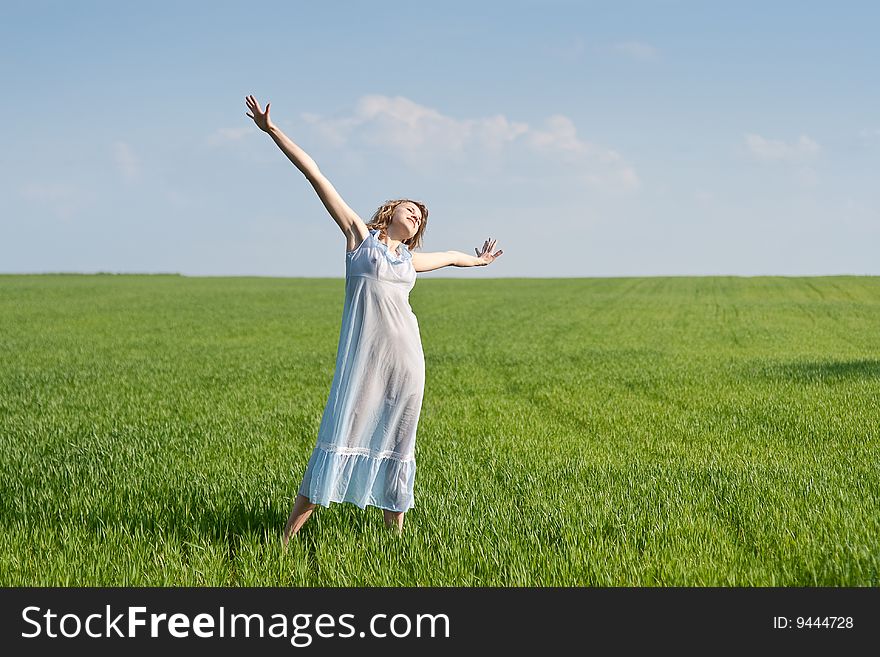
pixel 365 452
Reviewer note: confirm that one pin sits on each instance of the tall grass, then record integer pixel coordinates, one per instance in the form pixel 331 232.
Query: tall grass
pixel 575 432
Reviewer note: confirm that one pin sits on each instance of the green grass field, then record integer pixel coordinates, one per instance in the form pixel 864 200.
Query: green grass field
pixel 575 432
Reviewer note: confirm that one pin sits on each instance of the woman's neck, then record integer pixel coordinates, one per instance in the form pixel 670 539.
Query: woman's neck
pixel 392 244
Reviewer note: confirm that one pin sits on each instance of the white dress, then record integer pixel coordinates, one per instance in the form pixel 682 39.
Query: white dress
pixel 365 452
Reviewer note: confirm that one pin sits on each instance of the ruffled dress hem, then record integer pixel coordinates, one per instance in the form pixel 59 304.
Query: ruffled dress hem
pixel 363 479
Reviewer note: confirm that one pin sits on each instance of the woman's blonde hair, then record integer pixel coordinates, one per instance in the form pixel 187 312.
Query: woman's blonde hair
pixel 382 219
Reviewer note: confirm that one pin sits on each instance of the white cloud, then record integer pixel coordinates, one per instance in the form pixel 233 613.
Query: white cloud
pixel 599 166
pixel 765 149
pixel 637 50
pixel 414 129
pixel 561 135
pixel 417 134
pixel 126 161
pixel 224 135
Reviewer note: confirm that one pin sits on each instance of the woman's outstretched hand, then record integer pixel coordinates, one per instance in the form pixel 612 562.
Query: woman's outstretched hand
pixel 485 254
pixel 260 117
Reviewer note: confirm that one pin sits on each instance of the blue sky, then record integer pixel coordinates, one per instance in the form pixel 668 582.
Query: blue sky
pixel 588 138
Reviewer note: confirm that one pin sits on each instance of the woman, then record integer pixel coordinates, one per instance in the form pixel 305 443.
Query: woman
pixel 365 453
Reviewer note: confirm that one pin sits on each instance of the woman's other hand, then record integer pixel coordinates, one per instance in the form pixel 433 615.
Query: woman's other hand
pixel 485 255
pixel 260 117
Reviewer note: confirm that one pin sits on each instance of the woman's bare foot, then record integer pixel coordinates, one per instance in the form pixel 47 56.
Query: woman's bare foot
pixel 394 520
pixel 302 509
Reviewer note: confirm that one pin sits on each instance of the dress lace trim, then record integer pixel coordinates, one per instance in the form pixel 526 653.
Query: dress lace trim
pixel 399 258
pixel 364 451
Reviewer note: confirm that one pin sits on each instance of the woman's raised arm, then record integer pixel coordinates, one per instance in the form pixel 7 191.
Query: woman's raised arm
pixel 346 218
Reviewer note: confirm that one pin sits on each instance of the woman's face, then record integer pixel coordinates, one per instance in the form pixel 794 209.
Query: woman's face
pixel 408 217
